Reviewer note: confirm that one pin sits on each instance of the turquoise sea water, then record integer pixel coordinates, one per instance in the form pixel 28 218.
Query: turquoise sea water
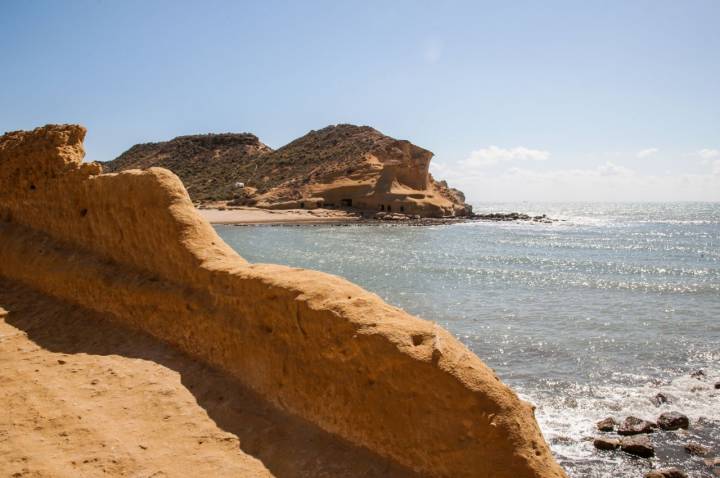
pixel 587 317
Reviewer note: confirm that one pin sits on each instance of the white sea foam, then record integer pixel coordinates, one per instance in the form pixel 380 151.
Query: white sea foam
pixel 568 420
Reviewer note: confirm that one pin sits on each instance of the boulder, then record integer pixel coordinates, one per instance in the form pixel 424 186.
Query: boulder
pixel 606 424
pixel 673 421
pixel 638 446
pixel 635 426
pixel 717 385
pixel 666 473
pixel 698 374
pixel 603 443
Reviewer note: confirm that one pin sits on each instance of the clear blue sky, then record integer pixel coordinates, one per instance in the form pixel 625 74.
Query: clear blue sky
pixel 518 100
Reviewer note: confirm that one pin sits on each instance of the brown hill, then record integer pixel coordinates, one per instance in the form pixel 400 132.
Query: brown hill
pixel 208 164
pixel 341 166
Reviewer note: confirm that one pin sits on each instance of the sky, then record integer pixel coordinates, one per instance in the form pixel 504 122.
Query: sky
pixel 519 100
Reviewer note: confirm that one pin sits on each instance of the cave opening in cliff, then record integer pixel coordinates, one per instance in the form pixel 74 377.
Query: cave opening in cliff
pixel 389 208
pixel 346 202
pixel 382 207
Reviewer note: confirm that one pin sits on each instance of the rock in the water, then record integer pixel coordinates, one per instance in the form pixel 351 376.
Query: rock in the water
pixel 634 426
pixel 673 421
pixel 698 374
pixel 659 399
pixel 602 443
pixel 606 424
pixel 696 449
pixel 717 385
pixel 666 473
pixel 638 446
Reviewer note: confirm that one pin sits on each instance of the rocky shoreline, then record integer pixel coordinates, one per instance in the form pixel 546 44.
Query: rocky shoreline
pixel 633 436
pixel 249 217
pixel 489 217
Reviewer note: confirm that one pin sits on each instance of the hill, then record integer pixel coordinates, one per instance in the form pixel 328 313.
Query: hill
pixel 208 164
pixel 338 166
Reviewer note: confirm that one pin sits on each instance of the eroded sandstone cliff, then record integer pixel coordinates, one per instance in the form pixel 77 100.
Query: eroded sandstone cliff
pixel 131 246
pixel 342 166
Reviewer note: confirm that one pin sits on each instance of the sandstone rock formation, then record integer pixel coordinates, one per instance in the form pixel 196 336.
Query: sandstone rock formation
pixel 132 247
pixel 341 166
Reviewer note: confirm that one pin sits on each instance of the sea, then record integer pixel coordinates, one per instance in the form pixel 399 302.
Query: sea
pixel 587 317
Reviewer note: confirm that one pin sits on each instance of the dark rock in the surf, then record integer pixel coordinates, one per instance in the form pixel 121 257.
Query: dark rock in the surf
pixel 660 399
pixel 696 449
pixel 673 421
pixel 562 440
pixel 499 216
pixel 698 374
pixel 639 445
pixel 512 216
pixel 603 443
pixel 606 424
pixel 666 473
pixel 717 385
pixel 635 426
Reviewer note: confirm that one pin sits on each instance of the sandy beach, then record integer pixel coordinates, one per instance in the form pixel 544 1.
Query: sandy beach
pixel 249 216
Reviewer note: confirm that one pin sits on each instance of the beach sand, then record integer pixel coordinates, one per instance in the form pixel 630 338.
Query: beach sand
pixel 249 215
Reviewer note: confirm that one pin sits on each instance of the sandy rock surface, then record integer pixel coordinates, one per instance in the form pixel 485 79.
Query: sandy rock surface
pixel 81 397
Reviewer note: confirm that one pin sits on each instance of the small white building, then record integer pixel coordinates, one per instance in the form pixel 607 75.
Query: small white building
pixel 239 185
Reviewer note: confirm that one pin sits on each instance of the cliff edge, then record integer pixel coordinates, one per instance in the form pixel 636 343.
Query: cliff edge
pixel 131 246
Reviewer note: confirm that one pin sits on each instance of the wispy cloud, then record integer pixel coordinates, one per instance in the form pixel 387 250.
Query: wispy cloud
pixel 612 169
pixel 646 152
pixel 604 182
pixel 709 153
pixel 494 154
